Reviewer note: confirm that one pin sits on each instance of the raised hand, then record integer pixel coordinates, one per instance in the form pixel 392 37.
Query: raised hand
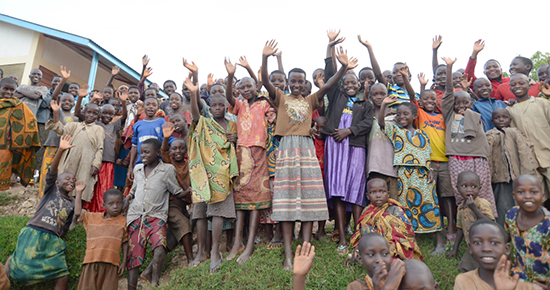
pixel 448 61
pixel 465 82
pixel 231 68
pixel 278 53
pixel 389 100
pixel 167 129
pixel 404 70
pixel 270 48
pixel 97 98
pixel 55 106
pixel 115 70
pixel 342 56
pixel 145 60
pixel 303 259
pixel 64 73
pixel 422 79
pixel 189 84
pixel 147 72
pixel 332 34
pixel 363 42
pixel 479 45
pixel 65 142
pixel 80 186
pixel 242 62
pixel 190 66
pixel 123 97
pixel 353 62
pixel 320 78
pixel 336 41
pixel 436 42
pixel 83 91
pixel 544 88
pixel 210 80
pixel 501 276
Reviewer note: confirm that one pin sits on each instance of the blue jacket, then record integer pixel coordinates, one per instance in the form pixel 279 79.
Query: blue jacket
pixel 485 107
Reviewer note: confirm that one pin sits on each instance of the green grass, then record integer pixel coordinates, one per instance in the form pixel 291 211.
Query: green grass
pixel 262 271
pixel 6 198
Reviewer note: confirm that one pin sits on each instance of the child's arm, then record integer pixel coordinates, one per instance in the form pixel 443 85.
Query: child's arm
pixel 80 186
pixel 192 67
pixel 167 131
pixel 471 204
pixel 448 100
pixel 114 72
pixel 405 72
pixel 303 261
pixel 346 64
pixel 332 37
pixel 82 93
pixel 122 266
pixel 244 63
pixel 436 43
pixel 385 103
pixel 423 81
pixel 279 56
pixel 471 66
pixel 231 68
pixel 133 154
pixel 64 144
pixel 459 236
pixel 55 125
pixel 375 66
pixel 65 76
pixel 270 48
pixel 123 97
pixel 195 113
pixel 145 71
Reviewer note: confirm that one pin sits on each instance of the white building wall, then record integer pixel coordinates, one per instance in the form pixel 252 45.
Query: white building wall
pixel 16 41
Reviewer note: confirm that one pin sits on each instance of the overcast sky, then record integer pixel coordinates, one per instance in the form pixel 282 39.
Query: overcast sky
pixel 207 31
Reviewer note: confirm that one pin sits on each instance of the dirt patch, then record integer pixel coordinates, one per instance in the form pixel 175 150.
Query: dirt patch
pixel 22 201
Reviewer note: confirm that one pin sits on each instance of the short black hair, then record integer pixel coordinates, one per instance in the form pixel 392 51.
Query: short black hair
pixel 57 76
pixel 154 98
pixel 411 107
pixel 134 87
pixel 469 173
pixel 297 70
pixel 108 106
pixel 176 93
pixel 492 59
pixel 427 91
pixel 170 81
pixel 316 72
pixel 217 84
pixel 367 237
pixel 112 192
pixel 90 105
pixel 108 87
pixel 75 83
pixel 178 115
pixel 487 221
pixel 279 72
pixel 6 81
pixel 526 61
pixel 438 66
pixel 365 69
pixel 153 142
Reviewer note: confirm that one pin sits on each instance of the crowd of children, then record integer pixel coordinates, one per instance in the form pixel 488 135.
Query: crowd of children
pixel 467 159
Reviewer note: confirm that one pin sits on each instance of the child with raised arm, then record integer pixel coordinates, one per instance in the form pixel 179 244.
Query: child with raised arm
pixel 528 224
pixel 106 233
pixel 85 160
pixel 147 215
pixel 532 117
pixel 40 252
pixel 251 190
pixel 485 105
pixel 472 209
pixel 465 141
pixel 511 155
pixel 299 194
pixel 491 69
pixel 346 132
pixel 412 157
pixel 213 167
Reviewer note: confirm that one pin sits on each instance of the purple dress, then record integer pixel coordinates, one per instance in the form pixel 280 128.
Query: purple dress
pixel 345 167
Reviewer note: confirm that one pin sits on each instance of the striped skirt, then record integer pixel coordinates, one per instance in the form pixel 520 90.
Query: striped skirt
pixel 299 194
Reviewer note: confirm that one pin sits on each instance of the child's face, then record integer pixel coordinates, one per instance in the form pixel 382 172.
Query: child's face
pixel 397 76
pixel 440 76
pixel 541 73
pixel 375 252
pixel 66 181
pixel 247 88
pixel 428 99
pixel 296 83
pixel 14 77
pixel 35 76
pixel 404 116
pixel 492 70
pixel 7 90
pixel 217 108
pixel 150 94
pixel 528 194
pixel 151 106
pixel 368 76
pixel 73 89
pixel 169 88
pixel 278 81
pixel 388 75
pixel 483 88
pixel 175 102
pixel 156 87
pixel 202 89
pixel 67 102
pixel 468 186
pixel 55 82
pixel 350 85
pixel 185 91
pixel 91 114
pixel 180 124
pixel 501 119
pixel 457 77
pixel 462 102
pixel 116 104
pixel 307 90
pixel 517 66
pixel 487 245
pixel 378 193
pixel 377 94
pixel 217 90
pixel 178 148
pixel 519 85
pixel 113 204
pixel 107 114
pixel 107 94
pixel 133 95
pixel 149 154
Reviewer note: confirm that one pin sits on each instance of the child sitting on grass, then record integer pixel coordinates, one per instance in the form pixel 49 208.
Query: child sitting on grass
pixel 511 155
pixel 528 225
pixel 473 208
pixel 105 234
pixel 387 217
pixel 40 252
pixel 489 249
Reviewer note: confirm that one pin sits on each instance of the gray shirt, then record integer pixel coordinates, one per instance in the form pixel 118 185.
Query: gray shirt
pixel 109 143
pixel 151 193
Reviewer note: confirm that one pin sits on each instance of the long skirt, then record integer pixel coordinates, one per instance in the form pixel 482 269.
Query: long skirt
pixel 104 183
pixel 419 199
pixel 345 168
pixel 478 165
pixel 299 194
pixel 251 190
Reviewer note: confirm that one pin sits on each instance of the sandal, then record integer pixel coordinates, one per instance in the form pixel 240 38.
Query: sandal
pixel 216 268
pixel 438 252
pixel 336 236
pixel 342 250
pixel 195 262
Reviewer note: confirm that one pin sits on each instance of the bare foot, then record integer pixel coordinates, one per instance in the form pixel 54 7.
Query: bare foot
pixel 236 250
pixel 245 256
pixel 147 275
pixel 288 264
pixel 275 244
